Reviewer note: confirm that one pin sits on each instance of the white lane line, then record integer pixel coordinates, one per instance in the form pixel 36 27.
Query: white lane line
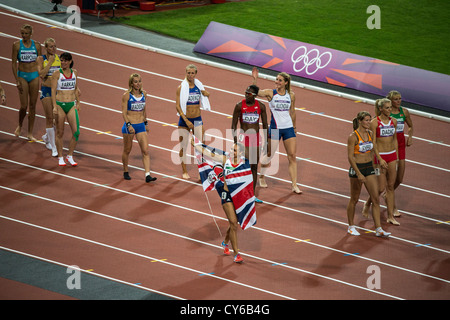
pixel 90 272
pixel 189 239
pixel 272 177
pixel 150 258
pixel 210 215
pixel 275 178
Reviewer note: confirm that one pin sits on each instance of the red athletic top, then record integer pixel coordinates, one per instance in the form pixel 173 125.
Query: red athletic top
pixel 250 114
pixel 385 130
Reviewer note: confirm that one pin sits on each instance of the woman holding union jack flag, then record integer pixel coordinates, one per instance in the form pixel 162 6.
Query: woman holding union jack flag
pixel 231 176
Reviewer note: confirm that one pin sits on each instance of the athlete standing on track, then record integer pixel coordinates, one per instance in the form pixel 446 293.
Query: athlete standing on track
pixel 66 105
pixel 360 145
pixel 47 65
pixel 24 67
pixel 282 124
pixel 135 116
pixel 387 146
pixel 191 98
pixel 248 113
pixel 402 116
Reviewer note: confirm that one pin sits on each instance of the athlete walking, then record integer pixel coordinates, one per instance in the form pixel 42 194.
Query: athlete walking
pixel 248 113
pixel 135 117
pixel 361 148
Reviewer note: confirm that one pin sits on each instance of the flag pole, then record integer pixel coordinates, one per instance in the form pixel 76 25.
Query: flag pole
pixel 214 218
pixel 207 199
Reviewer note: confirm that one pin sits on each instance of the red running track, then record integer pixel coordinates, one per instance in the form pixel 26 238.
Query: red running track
pixel 162 235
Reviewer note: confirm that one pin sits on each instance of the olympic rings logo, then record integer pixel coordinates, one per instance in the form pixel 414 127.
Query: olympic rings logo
pixel 310 61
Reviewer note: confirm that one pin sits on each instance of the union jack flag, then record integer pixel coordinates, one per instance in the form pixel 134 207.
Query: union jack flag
pixel 239 181
pixel 240 185
pixel 210 170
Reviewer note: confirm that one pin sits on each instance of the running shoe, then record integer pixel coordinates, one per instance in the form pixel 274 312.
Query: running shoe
pixel 238 258
pixel 257 200
pixel 61 161
pixel 226 250
pixel 149 178
pixel 71 161
pixel 381 233
pixel 352 230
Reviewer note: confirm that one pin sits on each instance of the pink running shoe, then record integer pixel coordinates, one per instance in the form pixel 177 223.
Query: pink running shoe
pixel 238 258
pixel 225 248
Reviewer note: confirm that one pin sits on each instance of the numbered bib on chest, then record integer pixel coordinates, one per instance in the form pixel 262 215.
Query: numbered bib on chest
pixel 365 147
pixel 387 131
pixel 251 117
pixel 28 56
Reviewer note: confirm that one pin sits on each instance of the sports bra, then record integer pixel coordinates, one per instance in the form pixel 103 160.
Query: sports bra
pixel 400 117
pixel 136 104
pixel 55 65
pixel 385 130
pixel 27 55
pixel 250 114
pixel 363 146
pixel 66 83
pixel 194 96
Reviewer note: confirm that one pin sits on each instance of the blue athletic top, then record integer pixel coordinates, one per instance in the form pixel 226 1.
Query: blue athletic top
pixel 27 55
pixel 136 104
pixel 194 96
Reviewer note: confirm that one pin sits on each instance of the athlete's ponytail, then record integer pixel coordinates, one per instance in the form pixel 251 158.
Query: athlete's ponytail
pixel 360 117
pixel 379 103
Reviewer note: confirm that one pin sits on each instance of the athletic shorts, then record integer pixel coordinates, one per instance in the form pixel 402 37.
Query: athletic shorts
pixel 281 133
pixel 28 76
pixel 386 156
pixel 196 121
pixel 138 128
pixel 46 92
pixel 366 169
pixel 225 195
pixel 401 146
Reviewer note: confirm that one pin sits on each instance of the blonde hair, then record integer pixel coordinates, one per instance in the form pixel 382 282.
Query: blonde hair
pixel 286 78
pixel 191 66
pixel 48 40
pixel 393 94
pixel 130 82
pixel 379 103
pixel 359 117
pixel 27 26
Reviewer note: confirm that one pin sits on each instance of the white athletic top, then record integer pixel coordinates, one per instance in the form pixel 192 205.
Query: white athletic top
pixel 279 107
pixel 66 83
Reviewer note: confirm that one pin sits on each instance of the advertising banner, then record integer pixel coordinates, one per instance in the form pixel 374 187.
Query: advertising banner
pixel 326 65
